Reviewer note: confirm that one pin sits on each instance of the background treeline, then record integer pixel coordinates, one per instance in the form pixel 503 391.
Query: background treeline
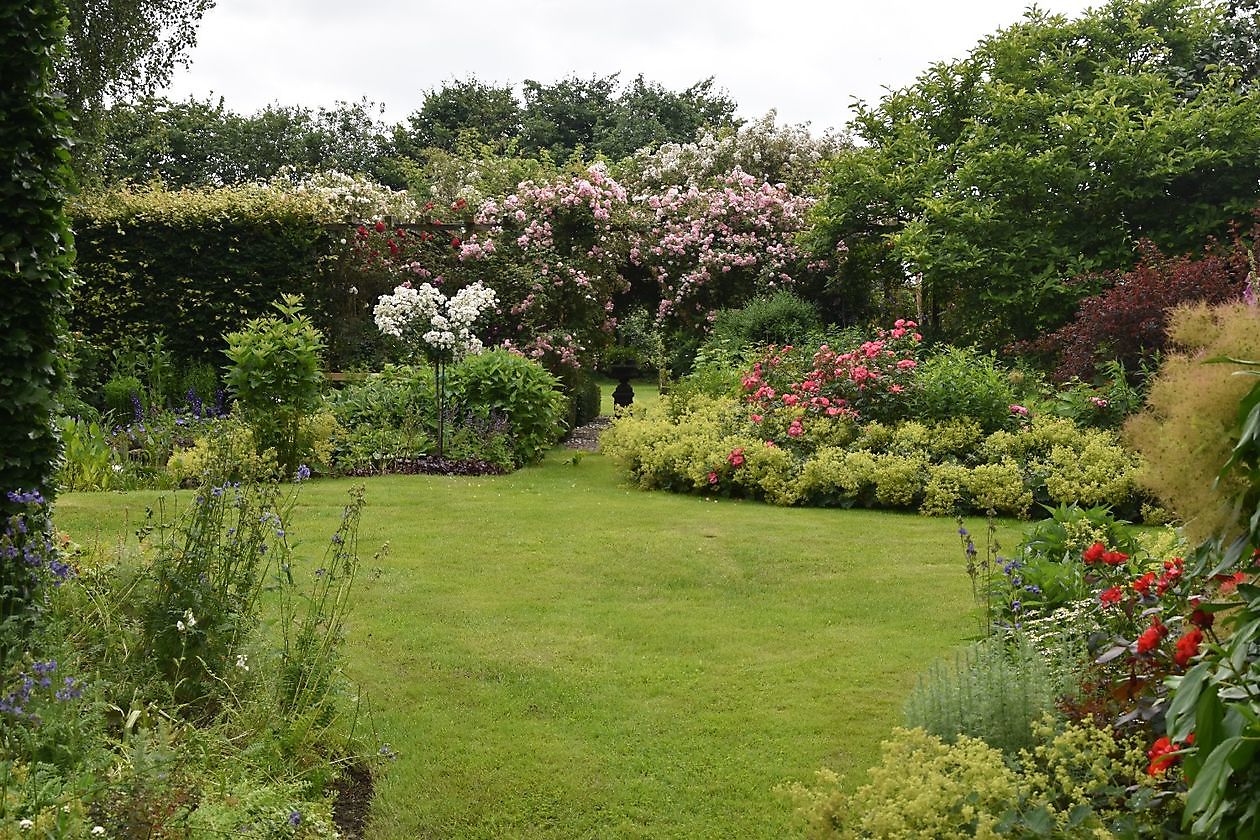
pixel 204 142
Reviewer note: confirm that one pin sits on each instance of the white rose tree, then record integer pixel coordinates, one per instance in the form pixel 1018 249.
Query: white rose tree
pixel 436 328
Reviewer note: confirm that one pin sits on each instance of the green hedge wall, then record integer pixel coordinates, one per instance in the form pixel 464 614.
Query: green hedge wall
pixel 195 264
pixel 36 249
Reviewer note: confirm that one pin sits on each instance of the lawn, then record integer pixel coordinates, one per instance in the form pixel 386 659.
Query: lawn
pixel 554 654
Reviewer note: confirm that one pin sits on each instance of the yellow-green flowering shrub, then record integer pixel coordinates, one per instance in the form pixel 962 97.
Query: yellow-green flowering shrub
pixel 939 468
pixel 911 437
pixel 955 439
pixel 1032 442
pixel 922 788
pixel 945 491
pixel 874 437
pixel 1000 487
pixel 836 477
pixel 769 472
pixel 1079 764
pixel 832 431
pixel 227 449
pixel 899 479
pixel 1094 474
pixel 1081 781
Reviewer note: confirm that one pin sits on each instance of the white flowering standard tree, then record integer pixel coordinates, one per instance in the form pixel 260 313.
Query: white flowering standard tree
pixel 436 328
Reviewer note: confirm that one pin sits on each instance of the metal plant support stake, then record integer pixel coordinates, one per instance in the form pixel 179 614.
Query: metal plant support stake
pixel 439 387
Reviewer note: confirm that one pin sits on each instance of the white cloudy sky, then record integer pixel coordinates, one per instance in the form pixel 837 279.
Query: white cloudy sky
pixel 806 58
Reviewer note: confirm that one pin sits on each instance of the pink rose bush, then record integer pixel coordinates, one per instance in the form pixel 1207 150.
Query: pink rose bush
pixel 869 382
pixel 706 248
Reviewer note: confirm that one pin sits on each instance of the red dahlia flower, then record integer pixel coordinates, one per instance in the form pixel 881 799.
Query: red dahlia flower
pixel 1151 636
pixel 1188 646
pixel 1162 755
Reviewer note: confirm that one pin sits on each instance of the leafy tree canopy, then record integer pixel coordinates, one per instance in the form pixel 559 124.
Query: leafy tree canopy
pixel 490 112
pixel 1047 153
pixel 124 48
pixel 597 115
pixel 202 143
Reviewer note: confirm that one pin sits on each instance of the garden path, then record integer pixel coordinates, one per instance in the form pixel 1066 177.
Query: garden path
pixel 587 437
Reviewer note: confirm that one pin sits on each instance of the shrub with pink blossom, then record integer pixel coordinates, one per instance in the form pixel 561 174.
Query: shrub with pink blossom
pixel 706 248
pixel 870 382
pixel 556 251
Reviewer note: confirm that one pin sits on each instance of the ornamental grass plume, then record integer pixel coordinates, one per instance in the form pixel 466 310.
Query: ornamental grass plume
pixel 1186 431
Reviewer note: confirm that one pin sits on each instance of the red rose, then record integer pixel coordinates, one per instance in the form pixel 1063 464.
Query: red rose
pixel 1095 552
pixel 455 242
pixel 1111 596
pixel 380 227
pixel 1143 584
pixel 1114 558
pixel 1199 618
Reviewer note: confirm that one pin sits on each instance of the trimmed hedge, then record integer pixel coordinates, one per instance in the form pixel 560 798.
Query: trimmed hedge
pixel 36 247
pixel 195 264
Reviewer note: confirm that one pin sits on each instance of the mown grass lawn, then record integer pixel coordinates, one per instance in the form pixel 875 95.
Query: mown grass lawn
pixel 554 654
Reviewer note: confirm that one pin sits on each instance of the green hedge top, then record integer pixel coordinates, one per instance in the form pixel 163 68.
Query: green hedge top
pixel 193 264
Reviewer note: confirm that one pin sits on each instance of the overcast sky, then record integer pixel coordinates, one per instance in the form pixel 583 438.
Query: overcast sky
pixel 807 59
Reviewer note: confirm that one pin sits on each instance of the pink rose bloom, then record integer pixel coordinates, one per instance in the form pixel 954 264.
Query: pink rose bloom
pixel 907 364
pixel 713 478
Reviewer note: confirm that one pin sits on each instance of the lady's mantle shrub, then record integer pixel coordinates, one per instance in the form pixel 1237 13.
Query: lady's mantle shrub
pixel 1079 781
pixel 922 788
pixel 935 468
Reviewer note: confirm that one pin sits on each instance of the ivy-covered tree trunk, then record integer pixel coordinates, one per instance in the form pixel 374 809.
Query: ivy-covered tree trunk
pixel 36 249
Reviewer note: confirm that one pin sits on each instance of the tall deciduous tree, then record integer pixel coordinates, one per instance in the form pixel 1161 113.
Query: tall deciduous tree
pixel 1047 153
pixel 35 243
pixel 490 112
pixel 124 48
pixel 196 143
